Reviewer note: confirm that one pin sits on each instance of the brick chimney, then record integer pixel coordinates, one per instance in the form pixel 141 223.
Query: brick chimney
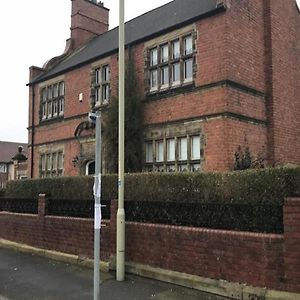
pixel 89 18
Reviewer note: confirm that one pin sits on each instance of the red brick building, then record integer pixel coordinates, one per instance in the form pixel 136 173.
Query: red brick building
pixel 213 75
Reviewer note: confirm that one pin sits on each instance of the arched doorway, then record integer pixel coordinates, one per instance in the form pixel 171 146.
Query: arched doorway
pixel 90 168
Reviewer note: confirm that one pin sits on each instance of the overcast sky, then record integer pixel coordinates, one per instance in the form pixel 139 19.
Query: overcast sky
pixel 33 31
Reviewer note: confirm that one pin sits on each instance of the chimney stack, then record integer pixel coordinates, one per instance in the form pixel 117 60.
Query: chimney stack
pixel 89 18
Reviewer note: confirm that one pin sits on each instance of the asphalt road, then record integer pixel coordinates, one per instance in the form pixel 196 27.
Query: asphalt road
pixel 30 277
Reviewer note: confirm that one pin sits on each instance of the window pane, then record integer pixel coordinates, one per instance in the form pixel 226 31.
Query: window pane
pixel 61 105
pixel 188 45
pixel 176 49
pixel 153 79
pixel 44 110
pixel 105 93
pixel 49 91
pixel 159 151
pixel 164 53
pixel 171 149
pixel 97 95
pixel 164 76
pixel 195 147
pixel 60 160
pixel 44 94
pixel 105 74
pixel 49 107
pixel 48 162
pixel 54 161
pixel 153 57
pixel 55 90
pixel 182 148
pixel 98 76
pixel 61 88
pixel 149 152
pixel 176 72
pixel 55 107
pixel 43 162
pixel 188 69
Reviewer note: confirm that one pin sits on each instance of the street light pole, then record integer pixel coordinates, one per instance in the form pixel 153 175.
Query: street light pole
pixel 97 213
pixel 121 212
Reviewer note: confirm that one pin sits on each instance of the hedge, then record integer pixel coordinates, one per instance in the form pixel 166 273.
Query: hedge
pixel 2 192
pixel 262 186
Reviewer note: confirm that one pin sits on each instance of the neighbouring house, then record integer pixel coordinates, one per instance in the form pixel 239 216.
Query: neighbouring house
pixel 213 76
pixel 13 162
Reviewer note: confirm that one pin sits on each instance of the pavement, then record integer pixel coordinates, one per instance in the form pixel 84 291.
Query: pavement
pixel 26 276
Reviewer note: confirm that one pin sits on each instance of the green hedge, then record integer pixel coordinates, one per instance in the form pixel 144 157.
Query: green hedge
pixel 265 186
pixel 2 192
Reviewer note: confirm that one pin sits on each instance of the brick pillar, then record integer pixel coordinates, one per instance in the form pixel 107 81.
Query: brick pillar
pixel 42 205
pixel 291 220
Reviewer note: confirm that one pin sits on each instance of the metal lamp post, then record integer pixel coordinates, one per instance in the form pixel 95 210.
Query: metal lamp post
pixel 96 118
pixel 121 212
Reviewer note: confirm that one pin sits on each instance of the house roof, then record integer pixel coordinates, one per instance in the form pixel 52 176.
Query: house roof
pixel 150 24
pixel 9 149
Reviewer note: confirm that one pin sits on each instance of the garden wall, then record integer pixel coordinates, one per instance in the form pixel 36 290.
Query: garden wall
pixel 264 260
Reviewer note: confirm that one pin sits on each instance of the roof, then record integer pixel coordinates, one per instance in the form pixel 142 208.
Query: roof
pixel 155 22
pixel 9 149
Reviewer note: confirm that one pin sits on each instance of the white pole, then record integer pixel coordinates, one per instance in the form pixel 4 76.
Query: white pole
pixel 121 211
pixel 97 214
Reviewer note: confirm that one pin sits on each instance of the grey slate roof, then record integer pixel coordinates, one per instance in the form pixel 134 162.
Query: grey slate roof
pixel 145 26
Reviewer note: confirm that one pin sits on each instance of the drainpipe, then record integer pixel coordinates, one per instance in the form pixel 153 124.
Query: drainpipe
pixel 32 130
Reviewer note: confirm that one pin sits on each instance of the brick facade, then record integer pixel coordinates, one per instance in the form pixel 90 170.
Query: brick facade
pixel 244 92
pixel 263 260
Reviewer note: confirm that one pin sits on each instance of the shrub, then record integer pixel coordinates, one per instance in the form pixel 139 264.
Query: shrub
pixel 256 186
pixel 2 192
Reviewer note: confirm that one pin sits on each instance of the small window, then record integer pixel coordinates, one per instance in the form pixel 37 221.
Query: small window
pixel 153 57
pixel 48 162
pixel 175 49
pixel 105 74
pixel 159 151
pixel 49 108
pixel 164 77
pixel 195 147
pixel 61 106
pixel 54 161
pixel 55 90
pixel 164 53
pixel 98 76
pixel 49 92
pixel 97 95
pixel 188 45
pixel 43 162
pixel 105 93
pixel 55 108
pixel 61 88
pixel 44 110
pixel 170 149
pixel 3 168
pixel 153 80
pixel 182 148
pixel 175 73
pixel 60 162
pixel 149 152
pixel 188 70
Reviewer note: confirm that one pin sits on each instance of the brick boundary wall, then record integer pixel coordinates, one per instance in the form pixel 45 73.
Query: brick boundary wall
pixel 263 260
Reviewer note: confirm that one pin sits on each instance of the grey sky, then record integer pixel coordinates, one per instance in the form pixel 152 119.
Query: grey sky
pixel 32 32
